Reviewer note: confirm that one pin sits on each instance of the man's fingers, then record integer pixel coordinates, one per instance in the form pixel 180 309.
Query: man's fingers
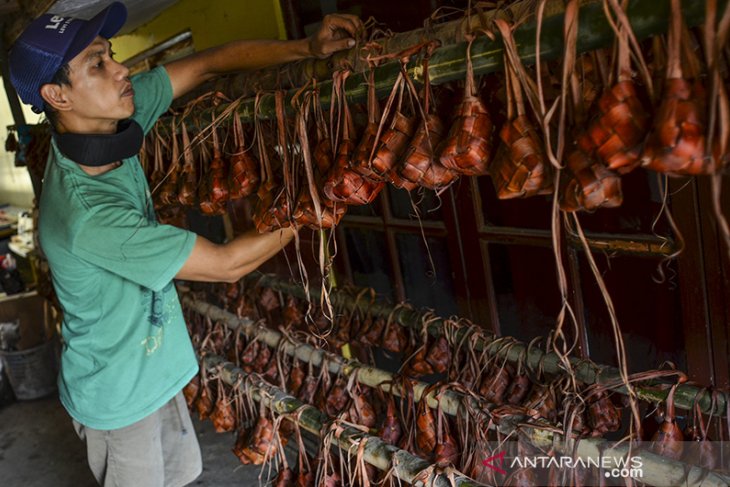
pixel 337 33
pixel 350 23
pixel 339 45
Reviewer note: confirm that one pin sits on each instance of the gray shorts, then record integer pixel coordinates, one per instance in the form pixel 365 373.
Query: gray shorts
pixel 159 450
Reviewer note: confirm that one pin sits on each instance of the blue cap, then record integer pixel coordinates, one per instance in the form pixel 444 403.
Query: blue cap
pixel 51 41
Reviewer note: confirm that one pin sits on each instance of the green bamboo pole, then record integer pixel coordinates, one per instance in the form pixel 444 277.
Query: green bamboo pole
pixel 298 73
pixel 448 63
pixel 586 371
pixel 407 466
pixel 657 470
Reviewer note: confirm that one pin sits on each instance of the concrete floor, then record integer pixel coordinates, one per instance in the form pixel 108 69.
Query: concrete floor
pixel 39 448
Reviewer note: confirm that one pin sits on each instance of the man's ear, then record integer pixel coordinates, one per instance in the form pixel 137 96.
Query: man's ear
pixel 55 96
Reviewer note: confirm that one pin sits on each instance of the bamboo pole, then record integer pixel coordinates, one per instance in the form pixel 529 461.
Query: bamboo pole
pixel 299 73
pixel 657 470
pixel 336 364
pixel 586 371
pixel 407 466
pixel 448 63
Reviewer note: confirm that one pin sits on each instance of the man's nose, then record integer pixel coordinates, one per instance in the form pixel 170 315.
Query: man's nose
pixel 121 71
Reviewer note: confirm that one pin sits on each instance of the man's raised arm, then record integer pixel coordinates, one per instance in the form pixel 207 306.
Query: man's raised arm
pixel 337 32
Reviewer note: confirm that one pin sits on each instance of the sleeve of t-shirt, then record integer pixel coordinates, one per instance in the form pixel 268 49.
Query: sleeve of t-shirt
pixel 122 241
pixel 152 96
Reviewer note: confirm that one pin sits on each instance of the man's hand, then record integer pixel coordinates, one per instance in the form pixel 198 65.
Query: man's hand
pixel 337 32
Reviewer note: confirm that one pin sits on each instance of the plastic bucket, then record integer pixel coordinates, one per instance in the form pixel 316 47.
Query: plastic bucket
pixel 32 372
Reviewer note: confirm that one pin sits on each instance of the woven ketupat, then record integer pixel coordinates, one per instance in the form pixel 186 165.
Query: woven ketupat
pixel 391 145
pixel 419 164
pixel 677 143
pixel 468 146
pixel 521 169
pixel 617 132
pixel 589 185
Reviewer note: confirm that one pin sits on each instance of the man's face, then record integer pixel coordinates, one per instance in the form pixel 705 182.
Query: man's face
pixel 100 90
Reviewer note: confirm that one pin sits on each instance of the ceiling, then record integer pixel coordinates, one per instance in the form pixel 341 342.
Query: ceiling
pixel 16 14
pixel 139 11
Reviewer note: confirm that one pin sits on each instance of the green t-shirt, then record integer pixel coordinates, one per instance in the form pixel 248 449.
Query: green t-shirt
pixel 126 350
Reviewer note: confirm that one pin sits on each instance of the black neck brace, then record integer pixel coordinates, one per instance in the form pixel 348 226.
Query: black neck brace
pixel 102 149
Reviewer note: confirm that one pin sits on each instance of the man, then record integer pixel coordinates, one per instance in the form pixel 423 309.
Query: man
pixel 126 352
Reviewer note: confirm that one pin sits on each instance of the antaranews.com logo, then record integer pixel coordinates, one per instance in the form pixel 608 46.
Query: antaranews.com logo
pixel 608 466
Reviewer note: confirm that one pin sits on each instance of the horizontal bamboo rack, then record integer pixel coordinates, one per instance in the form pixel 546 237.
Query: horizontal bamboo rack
pixel 657 470
pixel 586 371
pixel 448 63
pixel 407 466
